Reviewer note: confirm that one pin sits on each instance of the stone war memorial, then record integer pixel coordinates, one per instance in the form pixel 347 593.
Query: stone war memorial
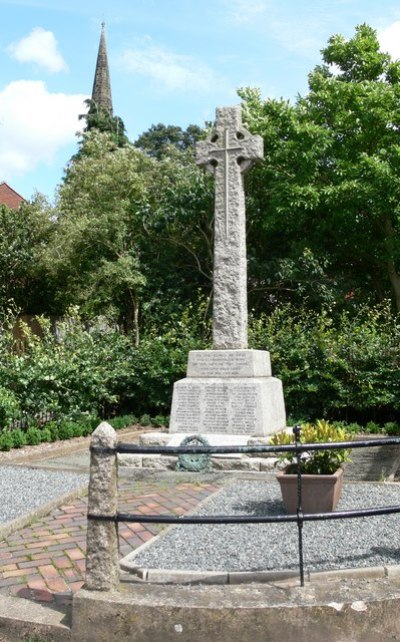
pixel 242 584
pixel 229 394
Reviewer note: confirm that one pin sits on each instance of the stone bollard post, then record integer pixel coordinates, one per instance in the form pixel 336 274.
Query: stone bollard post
pixel 102 563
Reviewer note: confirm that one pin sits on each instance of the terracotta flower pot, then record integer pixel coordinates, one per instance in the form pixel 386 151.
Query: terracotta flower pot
pixel 319 494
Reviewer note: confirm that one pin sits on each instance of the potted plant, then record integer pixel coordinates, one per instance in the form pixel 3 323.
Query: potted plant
pixel 321 470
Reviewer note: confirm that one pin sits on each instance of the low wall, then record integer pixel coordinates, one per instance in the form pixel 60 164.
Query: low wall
pixel 346 611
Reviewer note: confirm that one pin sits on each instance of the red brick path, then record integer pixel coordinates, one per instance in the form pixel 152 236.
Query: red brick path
pixel 46 560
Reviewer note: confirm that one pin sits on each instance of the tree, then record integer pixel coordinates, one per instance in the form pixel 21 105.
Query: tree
pixel 133 233
pixel 102 120
pixel 180 230
pixel 25 233
pixel 332 169
pixel 95 256
pixel 157 141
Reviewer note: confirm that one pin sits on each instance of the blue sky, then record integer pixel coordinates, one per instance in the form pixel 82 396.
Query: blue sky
pixel 171 62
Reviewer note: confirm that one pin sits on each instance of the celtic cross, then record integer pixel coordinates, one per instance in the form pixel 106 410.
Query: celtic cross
pixel 228 152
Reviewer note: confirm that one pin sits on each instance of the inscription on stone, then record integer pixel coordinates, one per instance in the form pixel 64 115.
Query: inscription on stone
pixel 216 407
pixel 188 408
pixel 244 406
pixel 229 363
pixel 231 407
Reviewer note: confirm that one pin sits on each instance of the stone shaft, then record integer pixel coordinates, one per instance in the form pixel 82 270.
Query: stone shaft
pixel 102 563
pixel 228 152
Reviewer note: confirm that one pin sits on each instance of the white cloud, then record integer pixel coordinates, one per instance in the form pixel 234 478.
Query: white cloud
pixel 166 68
pixel 246 11
pixel 389 39
pixel 34 124
pixel 41 48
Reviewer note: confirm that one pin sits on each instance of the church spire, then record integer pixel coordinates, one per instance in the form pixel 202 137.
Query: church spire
pixel 101 93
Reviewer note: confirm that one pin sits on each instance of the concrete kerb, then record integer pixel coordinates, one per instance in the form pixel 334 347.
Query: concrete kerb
pixel 22 620
pixel 24 520
pixel 284 577
pixel 356 610
pixel 29 455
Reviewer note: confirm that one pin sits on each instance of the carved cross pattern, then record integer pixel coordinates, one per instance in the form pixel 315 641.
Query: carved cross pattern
pixel 228 152
pixel 231 149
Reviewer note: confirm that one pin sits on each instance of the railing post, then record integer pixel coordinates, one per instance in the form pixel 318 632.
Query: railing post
pixel 297 432
pixel 102 563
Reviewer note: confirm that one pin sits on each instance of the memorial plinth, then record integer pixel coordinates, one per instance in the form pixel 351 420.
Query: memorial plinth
pixel 228 392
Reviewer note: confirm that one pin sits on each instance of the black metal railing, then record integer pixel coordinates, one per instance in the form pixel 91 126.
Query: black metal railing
pixel 299 517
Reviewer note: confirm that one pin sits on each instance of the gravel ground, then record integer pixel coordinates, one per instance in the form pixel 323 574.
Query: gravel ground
pixel 24 489
pixel 350 543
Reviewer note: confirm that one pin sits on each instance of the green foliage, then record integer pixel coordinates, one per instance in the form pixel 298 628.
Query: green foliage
pixel 79 374
pixel 66 375
pixel 88 428
pixel 340 368
pixel 123 422
pixel 25 232
pixel 316 462
pixel 392 428
pixel 157 141
pixel 133 236
pixel 372 428
pixel 145 420
pixel 354 428
pixel 33 436
pixel 78 430
pixel 19 438
pixel 160 421
pixel 52 427
pixel 100 119
pixel 6 441
pixel 66 430
pixel 9 407
pixel 330 182
pixel 45 434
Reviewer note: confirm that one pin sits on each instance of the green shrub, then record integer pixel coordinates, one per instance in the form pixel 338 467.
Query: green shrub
pixel 46 434
pixel 52 427
pixel 334 366
pixel 33 436
pixel 117 423
pixel 9 407
pixel 78 430
pixel 391 428
pixel 6 441
pixel 66 430
pixel 372 428
pixel 18 437
pixel 160 420
pixel 122 422
pixel 316 462
pixel 145 420
pixel 129 420
pixel 354 428
pixel 87 428
pixel 330 365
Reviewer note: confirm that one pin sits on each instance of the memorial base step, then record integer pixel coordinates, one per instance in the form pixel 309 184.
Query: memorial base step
pixel 228 391
pixel 256 462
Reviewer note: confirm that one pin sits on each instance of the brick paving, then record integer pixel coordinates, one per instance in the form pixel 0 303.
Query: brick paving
pixel 45 561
